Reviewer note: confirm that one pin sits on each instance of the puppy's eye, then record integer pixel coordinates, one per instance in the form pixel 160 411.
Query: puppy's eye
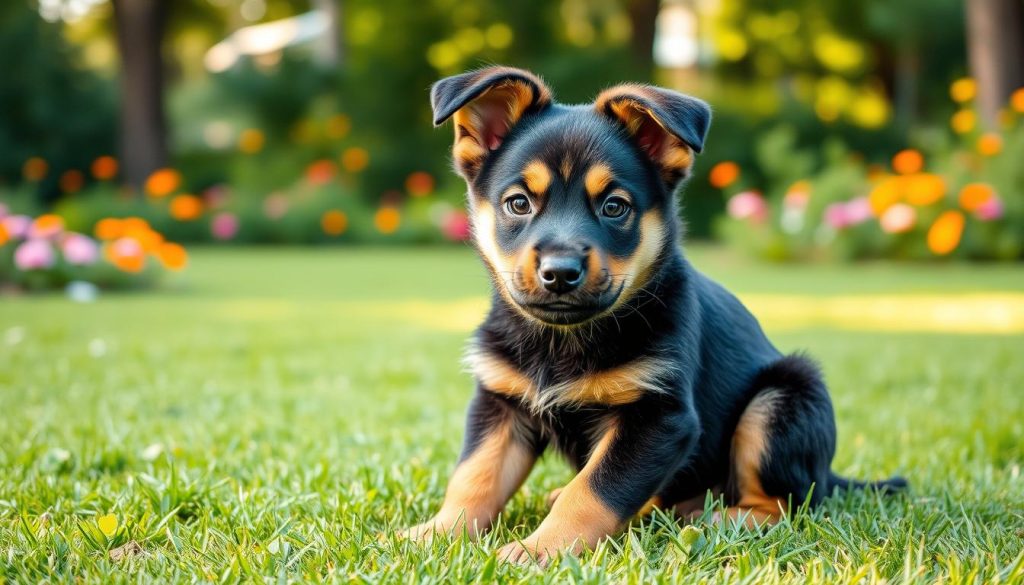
pixel 518 205
pixel 615 207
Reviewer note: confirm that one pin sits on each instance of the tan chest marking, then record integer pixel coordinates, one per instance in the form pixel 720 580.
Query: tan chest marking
pixel 624 384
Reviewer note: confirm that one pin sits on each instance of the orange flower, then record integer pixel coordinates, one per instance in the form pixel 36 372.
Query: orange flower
pixel 186 207
pixel 907 162
pixel 138 229
pixel 35 169
pixel 4 236
pixel 46 225
pixel 963 90
pixel 990 144
pixel 924 188
pixel 251 141
pixel 944 235
pixel 334 222
pixel 387 220
pixel 109 228
pixel 355 159
pixel 104 168
pixel 338 126
pixel 172 256
pixel 975 195
pixel 724 174
pixel 72 181
pixel 884 195
pixel 963 121
pixel 419 184
pixel 321 172
pixel 163 182
pixel 1017 100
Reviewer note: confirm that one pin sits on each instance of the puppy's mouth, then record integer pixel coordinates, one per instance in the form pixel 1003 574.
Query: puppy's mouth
pixel 570 310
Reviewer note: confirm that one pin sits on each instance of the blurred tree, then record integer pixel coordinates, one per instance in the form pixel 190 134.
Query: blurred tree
pixel 140 26
pixel 995 43
pixel 642 17
pixel 53 108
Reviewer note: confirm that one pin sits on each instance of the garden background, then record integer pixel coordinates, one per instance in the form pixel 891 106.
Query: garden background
pixel 235 279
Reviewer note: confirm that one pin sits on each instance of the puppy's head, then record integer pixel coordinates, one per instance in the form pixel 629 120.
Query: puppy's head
pixel 572 206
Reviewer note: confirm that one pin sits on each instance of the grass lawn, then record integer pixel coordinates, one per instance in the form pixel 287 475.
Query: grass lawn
pixel 271 412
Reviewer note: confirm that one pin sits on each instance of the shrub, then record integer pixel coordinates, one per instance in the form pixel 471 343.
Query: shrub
pixel 959 196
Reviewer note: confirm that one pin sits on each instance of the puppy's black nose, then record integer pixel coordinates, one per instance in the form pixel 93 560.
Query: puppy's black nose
pixel 560 273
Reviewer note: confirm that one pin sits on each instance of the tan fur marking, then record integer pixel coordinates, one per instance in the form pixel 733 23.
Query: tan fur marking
pixel 650 506
pixel 749 445
pixel 613 387
pixel 635 270
pixel 537 177
pixel 616 386
pixel 527 268
pixel 597 179
pixel 499 376
pixel 676 157
pixel 578 518
pixel 566 168
pixel 480 486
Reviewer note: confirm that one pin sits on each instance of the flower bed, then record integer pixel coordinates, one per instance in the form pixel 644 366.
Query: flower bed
pixel 954 197
pixel 40 253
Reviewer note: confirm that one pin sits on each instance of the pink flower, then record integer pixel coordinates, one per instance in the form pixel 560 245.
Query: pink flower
pixel 79 250
pixel 275 206
pixel 224 225
pixel 455 226
pixel 126 248
pixel 216 196
pixel 990 210
pixel 858 210
pixel 898 219
pixel 17 225
pixel 836 216
pixel 748 205
pixel 34 255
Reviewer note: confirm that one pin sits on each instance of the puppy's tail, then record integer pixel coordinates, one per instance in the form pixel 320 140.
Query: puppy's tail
pixel 885 486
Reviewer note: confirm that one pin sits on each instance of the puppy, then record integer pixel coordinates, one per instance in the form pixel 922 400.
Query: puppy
pixel 602 341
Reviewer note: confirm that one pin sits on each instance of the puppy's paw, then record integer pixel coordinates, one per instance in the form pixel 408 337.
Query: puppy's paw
pixel 425 532
pixel 524 553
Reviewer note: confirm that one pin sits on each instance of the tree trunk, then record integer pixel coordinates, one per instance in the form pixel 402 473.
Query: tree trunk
pixel 143 132
pixel 995 46
pixel 328 49
pixel 643 15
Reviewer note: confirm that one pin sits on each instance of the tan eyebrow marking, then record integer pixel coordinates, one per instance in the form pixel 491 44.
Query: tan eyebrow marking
pixel 597 179
pixel 566 168
pixel 537 177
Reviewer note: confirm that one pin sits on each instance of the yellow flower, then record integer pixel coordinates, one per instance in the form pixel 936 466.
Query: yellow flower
pixel 924 188
pixel 944 235
pixel 387 220
pixel 107 524
pixel 963 121
pixel 885 194
pixel 1017 100
pixel 251 141
pixel 963 90
pixel 990 144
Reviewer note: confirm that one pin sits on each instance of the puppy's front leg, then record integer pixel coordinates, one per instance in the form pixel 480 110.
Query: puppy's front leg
pixel 498 453
pixel 642 447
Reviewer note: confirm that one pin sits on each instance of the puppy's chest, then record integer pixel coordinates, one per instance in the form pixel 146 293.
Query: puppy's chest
pixel 544 385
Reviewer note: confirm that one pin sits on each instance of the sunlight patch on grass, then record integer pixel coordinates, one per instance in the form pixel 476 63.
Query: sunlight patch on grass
pixel 998 313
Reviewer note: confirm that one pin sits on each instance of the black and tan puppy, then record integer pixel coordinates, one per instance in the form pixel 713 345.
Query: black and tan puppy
pixel 602 340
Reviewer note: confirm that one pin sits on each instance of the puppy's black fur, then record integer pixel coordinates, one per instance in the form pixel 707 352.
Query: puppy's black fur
pixel 602 340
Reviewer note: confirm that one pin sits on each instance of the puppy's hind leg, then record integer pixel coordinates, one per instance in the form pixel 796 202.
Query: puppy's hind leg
pixel 783 445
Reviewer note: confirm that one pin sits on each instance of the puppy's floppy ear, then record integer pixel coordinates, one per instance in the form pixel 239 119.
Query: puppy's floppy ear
pixel 667 126
pixel 485 105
